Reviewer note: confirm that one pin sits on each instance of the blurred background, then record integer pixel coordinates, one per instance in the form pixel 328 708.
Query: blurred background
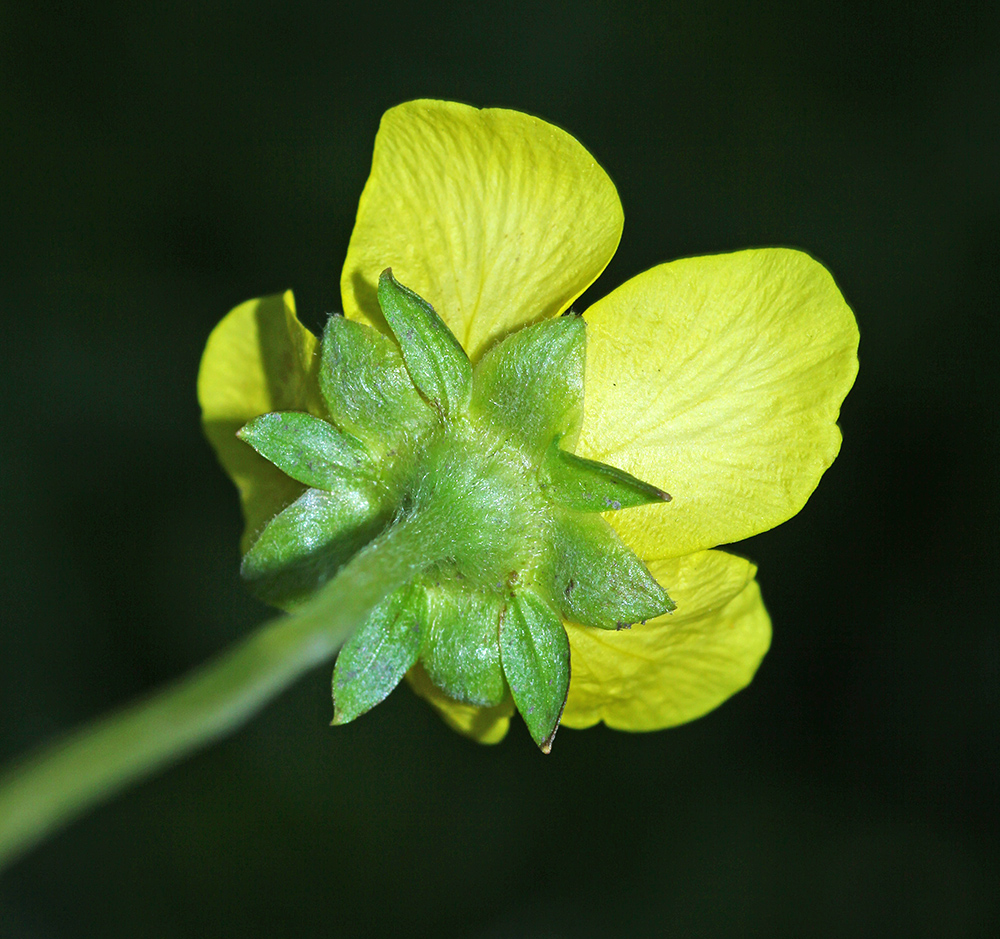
pixel 162 163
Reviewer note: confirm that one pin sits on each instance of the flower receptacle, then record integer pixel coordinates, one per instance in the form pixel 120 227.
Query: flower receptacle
pixel 469 461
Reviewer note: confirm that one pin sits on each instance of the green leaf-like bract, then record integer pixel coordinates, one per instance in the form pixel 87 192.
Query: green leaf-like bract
pixel 596 579
pixel 531 383
pixel 307 448
pixel 588 486
pixel 367 389
pixel 535 652
pixel 438 365
pixel 461 652
pixel 303 546
pixel 378 655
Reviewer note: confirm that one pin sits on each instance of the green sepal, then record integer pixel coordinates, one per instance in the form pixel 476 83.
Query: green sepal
pixel 307 448
pixel 378 655
pixel 304 545
pixel 436 361
pixel 589 486
pixel 596 579
pixel 534 649
pixel 367 388
pixel 531 383
pixel 460 650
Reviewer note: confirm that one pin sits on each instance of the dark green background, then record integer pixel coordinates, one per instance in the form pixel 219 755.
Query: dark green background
pixel 161 165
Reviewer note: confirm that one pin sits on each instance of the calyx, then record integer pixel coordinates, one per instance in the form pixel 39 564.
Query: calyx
pixel 479 458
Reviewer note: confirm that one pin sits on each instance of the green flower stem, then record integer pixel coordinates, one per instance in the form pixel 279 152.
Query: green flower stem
pixel 61 780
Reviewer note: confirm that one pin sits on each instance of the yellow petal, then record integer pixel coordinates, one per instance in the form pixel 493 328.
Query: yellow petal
pixel 677 667
pixel 494 217
pixel 718 379
pixel 260 358
pixel 484 725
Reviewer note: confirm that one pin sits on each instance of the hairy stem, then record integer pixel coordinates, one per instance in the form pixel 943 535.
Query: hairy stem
pixel 63 779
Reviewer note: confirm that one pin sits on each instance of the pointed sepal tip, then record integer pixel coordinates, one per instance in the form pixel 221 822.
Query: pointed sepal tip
pixel 589 486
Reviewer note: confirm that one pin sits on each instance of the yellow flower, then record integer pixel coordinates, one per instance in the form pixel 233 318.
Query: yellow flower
pixel 718 379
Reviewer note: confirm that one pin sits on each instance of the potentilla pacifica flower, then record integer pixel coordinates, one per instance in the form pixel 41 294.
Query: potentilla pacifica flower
pixel 523 456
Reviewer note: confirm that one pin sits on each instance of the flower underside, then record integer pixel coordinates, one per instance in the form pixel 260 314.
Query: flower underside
pixel 476 464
